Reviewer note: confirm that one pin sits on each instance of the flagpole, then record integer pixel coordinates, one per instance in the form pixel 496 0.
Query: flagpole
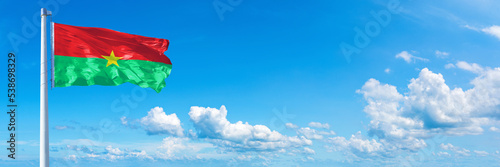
pixel 44 120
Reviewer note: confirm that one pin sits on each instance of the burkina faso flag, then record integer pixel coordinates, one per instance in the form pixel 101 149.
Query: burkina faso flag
pixel 86 56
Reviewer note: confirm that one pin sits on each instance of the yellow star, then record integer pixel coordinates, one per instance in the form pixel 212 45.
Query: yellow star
pixel 112 59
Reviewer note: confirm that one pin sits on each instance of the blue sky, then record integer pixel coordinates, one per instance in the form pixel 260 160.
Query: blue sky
pixel 421 86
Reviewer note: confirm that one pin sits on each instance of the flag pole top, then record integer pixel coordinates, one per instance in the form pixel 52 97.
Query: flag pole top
pixel 45 12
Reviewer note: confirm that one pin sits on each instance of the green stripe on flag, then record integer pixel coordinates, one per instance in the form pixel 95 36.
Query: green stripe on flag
pixel 76 71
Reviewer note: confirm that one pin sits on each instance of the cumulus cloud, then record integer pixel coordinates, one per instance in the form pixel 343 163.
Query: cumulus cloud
pixel 401 121
pixel 431 107
pixel 212 124
pixel 157 122
pixel 409 57
pixel 387 70
pixel 319 125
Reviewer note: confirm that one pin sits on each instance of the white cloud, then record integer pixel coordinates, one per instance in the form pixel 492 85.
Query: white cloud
pixel 63 127
pixel 157 122
pixel 111 154
pixel 457 150
pixel 214 137
pixel 213 125
pixel 291 126
pixel 443 154
pixel 448 146
pixel 475 68
pixel 387 70
pixel 319 125
pixel 180 147
pixel 357 145
pixel 172 145
pixel 170 148
pixel 493 30
pixel 308 150
pixel 430 107
pixel 92 155
pixel 313 134
pixel 325 133
pixel 449 65
pixel 494 129
pixel 481 153
pixel 409 57
pixel 114 151
pixel 141 155
pixel 72 158
pixel 305 150
pixel 441 54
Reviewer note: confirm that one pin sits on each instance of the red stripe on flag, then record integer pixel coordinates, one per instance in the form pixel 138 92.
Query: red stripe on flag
pixel 89 42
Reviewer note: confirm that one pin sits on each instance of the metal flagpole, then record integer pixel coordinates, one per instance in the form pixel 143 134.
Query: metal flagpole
pixel 44 120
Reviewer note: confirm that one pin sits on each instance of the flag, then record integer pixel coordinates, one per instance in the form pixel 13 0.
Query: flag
pixel 85 56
